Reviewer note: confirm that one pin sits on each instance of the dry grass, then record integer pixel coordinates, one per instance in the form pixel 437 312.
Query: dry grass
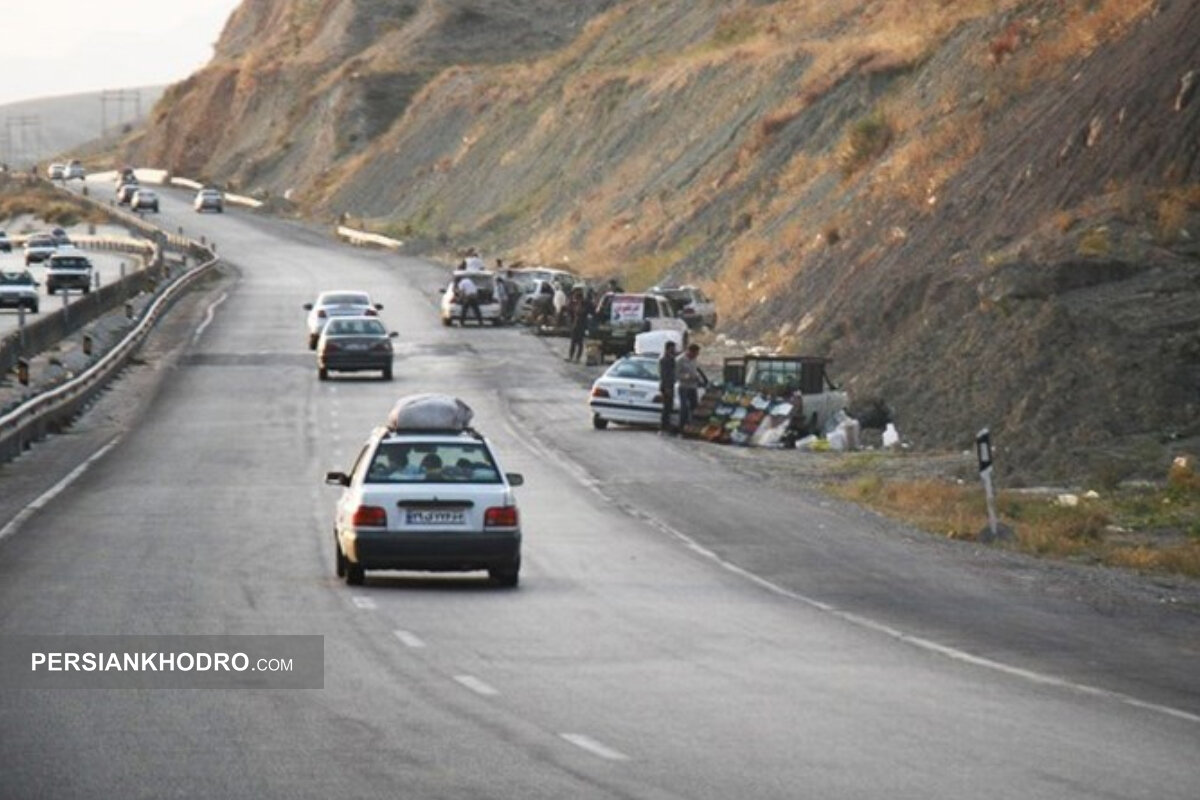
pixel 1153 530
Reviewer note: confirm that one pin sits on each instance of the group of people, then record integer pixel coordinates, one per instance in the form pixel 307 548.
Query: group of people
pixel 682 371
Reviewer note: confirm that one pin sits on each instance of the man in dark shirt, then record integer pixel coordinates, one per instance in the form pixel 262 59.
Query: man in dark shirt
pixel 666 384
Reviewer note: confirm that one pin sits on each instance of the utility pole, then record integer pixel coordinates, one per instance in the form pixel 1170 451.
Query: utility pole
pixel 26 142
pixel 120 97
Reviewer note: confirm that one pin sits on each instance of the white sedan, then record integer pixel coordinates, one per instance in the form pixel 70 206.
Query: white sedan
pixel 341 303
pixel 628 393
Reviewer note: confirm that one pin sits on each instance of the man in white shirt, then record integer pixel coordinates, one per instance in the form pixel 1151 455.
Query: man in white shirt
pixel 468 298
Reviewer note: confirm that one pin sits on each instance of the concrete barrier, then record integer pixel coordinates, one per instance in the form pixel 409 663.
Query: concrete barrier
pixel 363 238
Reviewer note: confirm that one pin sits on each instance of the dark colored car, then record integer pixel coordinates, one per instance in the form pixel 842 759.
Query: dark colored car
pixel 5 243
pixel 354 344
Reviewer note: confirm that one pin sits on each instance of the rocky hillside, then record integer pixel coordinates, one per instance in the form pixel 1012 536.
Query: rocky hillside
pixel 984 210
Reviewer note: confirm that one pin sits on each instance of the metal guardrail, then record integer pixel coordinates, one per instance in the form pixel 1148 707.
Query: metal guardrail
pixel 54 409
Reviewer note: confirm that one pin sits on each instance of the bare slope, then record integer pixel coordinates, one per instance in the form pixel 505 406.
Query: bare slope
pixel 982 210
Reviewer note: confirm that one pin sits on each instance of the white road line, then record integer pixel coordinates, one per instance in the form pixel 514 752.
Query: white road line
pixel 16 522
pixel 364 603
pixel 532 443
pixel 409 639
pixel 595 748
pixel 209 314
pixel 475 685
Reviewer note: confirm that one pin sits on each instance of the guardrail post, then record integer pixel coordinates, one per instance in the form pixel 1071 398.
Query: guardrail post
pixel 23 372
pixel 87 344
pixel 128 310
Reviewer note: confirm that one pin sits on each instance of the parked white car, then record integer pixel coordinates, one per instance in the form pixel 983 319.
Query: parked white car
pixel 628 394
pixel 691 305
pixel 485 295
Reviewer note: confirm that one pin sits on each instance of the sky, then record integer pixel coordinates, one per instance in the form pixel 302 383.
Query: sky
pixel 57 47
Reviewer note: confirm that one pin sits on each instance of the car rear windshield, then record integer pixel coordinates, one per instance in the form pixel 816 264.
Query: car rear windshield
pixel 16 278
pixel 356 327
pixel 635 369
pixel 345 300
pixel 70 262
pixel 432 462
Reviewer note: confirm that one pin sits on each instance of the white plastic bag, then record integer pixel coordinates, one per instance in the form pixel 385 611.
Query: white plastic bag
pixel 891 436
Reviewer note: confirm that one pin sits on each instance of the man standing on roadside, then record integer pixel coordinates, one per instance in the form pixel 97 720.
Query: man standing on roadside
pixel 666 384
pixel 691 378
pixel 468 296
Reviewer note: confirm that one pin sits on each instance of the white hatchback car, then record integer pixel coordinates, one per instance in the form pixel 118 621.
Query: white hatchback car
pixel 433 500
pixel 340 303
pixel 485 296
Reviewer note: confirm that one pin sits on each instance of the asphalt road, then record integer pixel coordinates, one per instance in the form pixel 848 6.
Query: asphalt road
pixel 684 629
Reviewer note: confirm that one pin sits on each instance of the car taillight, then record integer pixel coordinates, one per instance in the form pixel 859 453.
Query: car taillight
pixel 370 517
pixel 330 347
pixel 321 314
pixel 657 398
pixel 370 312
pixel 600 391
pixel 689 311
pixel 383 347
pixel 500 517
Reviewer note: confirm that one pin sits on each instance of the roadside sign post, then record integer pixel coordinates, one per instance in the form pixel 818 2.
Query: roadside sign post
pixel 983 449
pixel 21 326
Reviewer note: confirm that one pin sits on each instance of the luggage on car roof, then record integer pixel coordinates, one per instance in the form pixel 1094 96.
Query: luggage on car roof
pixel 429 412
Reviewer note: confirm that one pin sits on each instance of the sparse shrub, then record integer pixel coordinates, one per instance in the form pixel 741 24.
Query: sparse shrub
pixel 868 139
pixel 1182 476
pixel 1172 218
pixel 1095 243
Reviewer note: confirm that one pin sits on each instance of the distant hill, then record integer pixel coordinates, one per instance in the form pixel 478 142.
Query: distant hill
pixel 36 130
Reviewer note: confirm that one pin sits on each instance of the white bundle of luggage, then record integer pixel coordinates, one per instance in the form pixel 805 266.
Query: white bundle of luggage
pixel 430 412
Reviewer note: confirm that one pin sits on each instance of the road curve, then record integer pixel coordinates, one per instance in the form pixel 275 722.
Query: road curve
pixel 683 629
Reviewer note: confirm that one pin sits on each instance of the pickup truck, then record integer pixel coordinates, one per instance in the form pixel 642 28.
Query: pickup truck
pixel 69 271
pixel 621 317
pixel 803 378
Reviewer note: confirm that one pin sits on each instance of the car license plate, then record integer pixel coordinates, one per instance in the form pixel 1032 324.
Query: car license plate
pixel 431 517
pixel 356 346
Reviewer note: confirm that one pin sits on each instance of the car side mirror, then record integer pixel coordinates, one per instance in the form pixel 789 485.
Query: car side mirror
pixel 392 334
pixel 337 479
pixel 379 306
pixel 515 478
pixel 308 306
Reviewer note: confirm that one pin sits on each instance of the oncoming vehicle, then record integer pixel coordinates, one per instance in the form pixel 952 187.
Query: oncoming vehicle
pixel 69 270
pixel 691 305
pixel 18 290
pixel 144 199
pixel 56 172
pixel 628 393
pixel 209 199
pixel 5 243
pixel 427 493
pixel 354 344
pixel 485 298
pixel 339 303
pixel 39 247
pixel 74 170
